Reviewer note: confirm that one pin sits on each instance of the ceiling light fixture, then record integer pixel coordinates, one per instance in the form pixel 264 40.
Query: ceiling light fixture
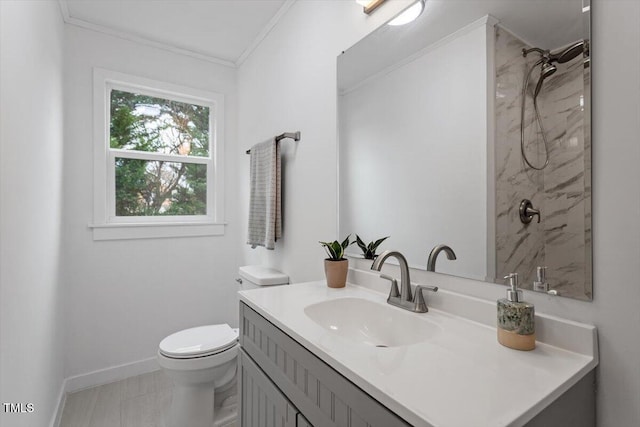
pixel 409 15
pixel 370 5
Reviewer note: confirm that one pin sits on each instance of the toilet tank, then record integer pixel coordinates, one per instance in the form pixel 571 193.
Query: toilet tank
pixel 257 276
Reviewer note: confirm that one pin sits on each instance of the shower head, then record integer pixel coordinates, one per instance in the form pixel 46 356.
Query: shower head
pixel 546 70
pixel 568 53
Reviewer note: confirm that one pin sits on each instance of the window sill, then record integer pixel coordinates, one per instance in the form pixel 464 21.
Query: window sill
pixel 129 231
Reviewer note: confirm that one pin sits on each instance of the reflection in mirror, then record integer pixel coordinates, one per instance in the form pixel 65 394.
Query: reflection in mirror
pixel 438 147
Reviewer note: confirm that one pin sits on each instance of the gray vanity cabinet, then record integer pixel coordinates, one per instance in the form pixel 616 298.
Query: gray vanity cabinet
pixel 321 396
pixel 262 403
pixel 302 421
pixel 283 384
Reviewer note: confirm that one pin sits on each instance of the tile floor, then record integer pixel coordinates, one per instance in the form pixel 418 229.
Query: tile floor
pixel 133 402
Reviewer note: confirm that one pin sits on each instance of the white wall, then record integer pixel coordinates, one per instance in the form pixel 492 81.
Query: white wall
pixel 289 82
pixel 125 296
pixel 31 144
pixel 413 124
pixel 616 208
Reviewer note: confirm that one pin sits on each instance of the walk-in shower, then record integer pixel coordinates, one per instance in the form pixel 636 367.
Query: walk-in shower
pixel 547 68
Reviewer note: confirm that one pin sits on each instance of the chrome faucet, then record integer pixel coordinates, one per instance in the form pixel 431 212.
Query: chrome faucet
pixel 433 256
pixel 405 282
pixel 403 298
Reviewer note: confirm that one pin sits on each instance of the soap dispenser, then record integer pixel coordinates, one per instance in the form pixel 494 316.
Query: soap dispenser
pixel 516 319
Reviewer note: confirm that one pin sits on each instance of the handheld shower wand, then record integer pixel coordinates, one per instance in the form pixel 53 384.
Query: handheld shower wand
pixel 547 68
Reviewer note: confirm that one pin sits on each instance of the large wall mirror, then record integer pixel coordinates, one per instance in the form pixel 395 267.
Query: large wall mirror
pixel 436 145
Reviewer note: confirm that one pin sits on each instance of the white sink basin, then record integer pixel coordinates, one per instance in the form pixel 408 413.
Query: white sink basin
pixel 366 322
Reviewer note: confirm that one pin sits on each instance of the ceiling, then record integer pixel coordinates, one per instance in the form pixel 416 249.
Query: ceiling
pixel 224 31
pixel 548 24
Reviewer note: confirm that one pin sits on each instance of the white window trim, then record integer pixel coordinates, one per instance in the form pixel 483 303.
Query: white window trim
pixel 106 226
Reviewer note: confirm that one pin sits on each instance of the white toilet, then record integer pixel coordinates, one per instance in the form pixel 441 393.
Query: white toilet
pixel 202 363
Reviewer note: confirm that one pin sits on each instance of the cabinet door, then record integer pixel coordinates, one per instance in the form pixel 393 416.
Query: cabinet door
pixel 302 421
pixel 262 404
pixel 326 398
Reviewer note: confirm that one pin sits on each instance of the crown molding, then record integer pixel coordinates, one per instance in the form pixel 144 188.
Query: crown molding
pixel 487 20
pixel 265 31
pixel 68 19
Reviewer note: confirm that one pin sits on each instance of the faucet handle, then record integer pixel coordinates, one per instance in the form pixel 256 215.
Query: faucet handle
pixel 527 212
pixel 394 292
pixel 420 304
pixel 426 288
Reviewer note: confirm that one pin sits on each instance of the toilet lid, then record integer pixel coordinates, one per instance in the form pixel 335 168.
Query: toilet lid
pixel 263 276
pixel 199 341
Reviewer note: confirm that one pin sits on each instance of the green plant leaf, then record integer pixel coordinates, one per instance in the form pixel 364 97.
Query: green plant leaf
pixel 369 250
pixel 334 249
pixel 337 250
pixel 377 243
pixel 327 249
pixel 346 242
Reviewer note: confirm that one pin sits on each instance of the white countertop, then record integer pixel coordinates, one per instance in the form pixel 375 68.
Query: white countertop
pixel 459 377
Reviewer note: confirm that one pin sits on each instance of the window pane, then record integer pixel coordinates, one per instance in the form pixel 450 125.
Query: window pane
pixel 149 188
pixel 146 123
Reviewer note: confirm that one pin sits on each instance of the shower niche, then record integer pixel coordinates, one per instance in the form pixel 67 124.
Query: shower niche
pixel 436 147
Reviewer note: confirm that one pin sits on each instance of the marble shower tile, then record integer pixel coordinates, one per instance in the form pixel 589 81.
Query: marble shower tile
pixel 562 190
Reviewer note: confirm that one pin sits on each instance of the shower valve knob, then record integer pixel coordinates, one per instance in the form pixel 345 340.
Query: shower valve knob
pixel 527 212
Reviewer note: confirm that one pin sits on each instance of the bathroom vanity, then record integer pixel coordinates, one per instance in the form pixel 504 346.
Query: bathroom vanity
pixel 314 356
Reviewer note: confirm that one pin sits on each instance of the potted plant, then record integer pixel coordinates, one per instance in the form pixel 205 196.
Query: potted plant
pixel 369 250
pixel 336 267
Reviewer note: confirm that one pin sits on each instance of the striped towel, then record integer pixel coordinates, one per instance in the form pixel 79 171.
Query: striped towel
pixel 265 219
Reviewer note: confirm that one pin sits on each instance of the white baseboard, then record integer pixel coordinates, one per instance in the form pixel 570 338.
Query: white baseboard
pixel 62 398
pixel 111 374
pixel 100 377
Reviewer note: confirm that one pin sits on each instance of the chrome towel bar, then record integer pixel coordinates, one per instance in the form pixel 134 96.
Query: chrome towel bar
pixel 293 135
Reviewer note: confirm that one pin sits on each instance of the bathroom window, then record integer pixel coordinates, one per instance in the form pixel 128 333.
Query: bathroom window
pixel 158 159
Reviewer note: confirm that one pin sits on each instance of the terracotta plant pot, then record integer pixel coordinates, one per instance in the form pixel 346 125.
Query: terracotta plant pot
pixel 336 272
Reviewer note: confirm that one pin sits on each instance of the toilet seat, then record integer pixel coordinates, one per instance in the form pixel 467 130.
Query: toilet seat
pixel 198 342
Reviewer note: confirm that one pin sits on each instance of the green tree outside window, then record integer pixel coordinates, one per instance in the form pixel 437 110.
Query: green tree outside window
pixel 150 124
